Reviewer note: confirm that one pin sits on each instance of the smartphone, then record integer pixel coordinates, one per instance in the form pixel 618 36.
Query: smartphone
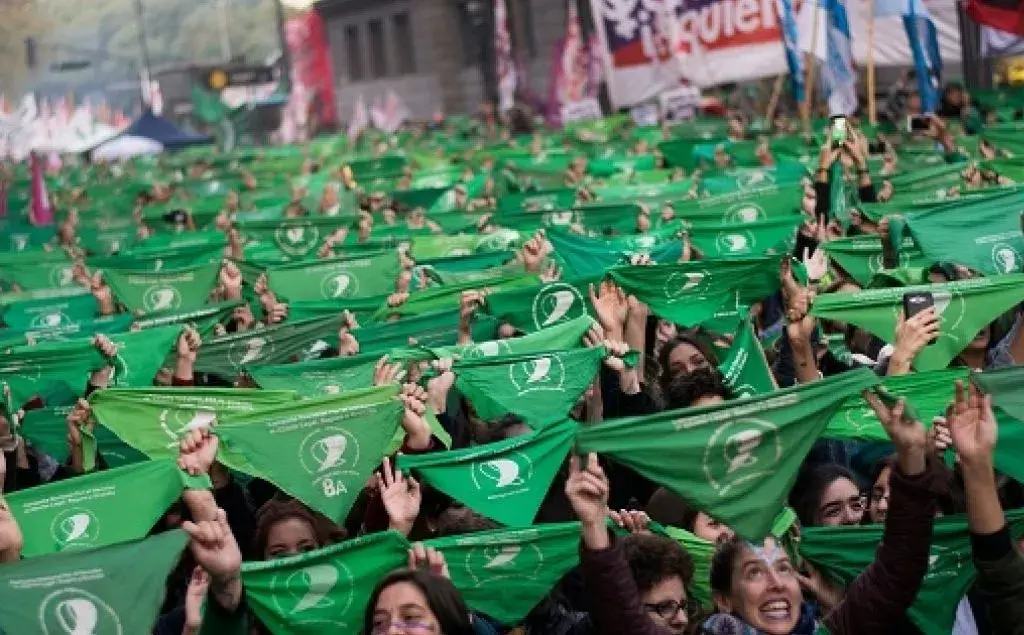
pixel 918 123
pixel 876 147
pixel 914 303
pixel 838 132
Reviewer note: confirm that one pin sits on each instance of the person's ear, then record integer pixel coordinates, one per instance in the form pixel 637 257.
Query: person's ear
pixel 722 602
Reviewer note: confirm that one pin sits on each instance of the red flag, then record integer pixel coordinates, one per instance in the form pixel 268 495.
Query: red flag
pixel 1005 15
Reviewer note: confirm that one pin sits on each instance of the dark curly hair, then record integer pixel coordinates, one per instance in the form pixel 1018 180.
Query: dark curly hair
pixel 654 558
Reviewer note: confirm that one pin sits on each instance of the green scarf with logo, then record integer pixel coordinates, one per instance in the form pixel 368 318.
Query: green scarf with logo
pixel 180 290
pixel 320 451
pixel 842 553
pixel 965 307
pixel 718 240
pixel 861 256
pixel 153 420
pixel 927 392
pixel 542 389
pixel 736 461
pixel 504 573
pixel 505 481
pixel 745 368
pixel 694 292
pixel 533 308
pixel 981 234
pixel 447 297
pixel 322 591
pixel 116 590
pixel 227 356
pixel 559 337
pixel 91 511
pixel 372 276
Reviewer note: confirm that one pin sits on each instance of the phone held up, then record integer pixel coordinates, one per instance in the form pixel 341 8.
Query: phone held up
pixel 916 302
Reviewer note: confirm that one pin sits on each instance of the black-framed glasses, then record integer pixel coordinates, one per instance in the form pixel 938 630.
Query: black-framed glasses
pixel 668 609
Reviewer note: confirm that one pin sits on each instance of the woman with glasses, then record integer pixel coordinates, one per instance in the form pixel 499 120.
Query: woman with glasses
pixel 635 585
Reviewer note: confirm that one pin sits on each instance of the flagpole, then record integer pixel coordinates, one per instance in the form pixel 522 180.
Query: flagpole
pixel 773 102
pixel 872 106
pixel 812 63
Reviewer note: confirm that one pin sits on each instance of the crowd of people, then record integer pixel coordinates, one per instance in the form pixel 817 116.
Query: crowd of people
pixel 729 376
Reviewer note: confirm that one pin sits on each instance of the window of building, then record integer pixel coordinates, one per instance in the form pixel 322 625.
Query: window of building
pixel 354 53
pixel 405 56
pixel 378 50
pixel 472 25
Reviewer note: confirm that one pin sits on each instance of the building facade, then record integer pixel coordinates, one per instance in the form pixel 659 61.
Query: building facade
pixel 434 53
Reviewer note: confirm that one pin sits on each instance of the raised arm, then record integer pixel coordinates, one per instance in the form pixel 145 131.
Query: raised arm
pixel 1000 568
pixel 881 595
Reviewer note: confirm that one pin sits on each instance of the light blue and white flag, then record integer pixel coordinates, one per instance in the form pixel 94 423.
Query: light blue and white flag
pixel 790 40
pixel 924 45
pixel 839 76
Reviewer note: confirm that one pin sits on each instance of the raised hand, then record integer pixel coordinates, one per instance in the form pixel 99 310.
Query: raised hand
pixel 400 495
pixel 417 430
pixel 230 281
pixel 198 451
pixel 195 597
pixel 428 558
pixel 385 372
pixel 912 335
pixel 908 435
pixel 972 426
pixel 587 489
pixel 611 306
pixel 439 386
pixel 214 548
pixel 633 521
pixel 189 343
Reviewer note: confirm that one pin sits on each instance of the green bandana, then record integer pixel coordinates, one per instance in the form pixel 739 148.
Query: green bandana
pixel 541 389
pixel 505 481
pixel 320 451
pixel 730 240
pixel 116 590
pixel 745 369
pixel 927 392
pixel 22 312
pixel 447 297
pixel 981 234
pixel 289 341
pixel 325 590
pixel 842 553
pixel 964 307
pixel 47 430
pixel 559 337
pixel 540 307
pixel 154 420
pixel 736 461
pixel 140 354
pixel 694 292
pixel 372 276
pixel 319 377
pixel 861 256
pixel 181 290
pixel 89 512
pixel 503 574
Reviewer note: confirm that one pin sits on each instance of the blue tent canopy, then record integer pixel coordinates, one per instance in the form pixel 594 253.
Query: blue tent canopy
pixel 159 129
